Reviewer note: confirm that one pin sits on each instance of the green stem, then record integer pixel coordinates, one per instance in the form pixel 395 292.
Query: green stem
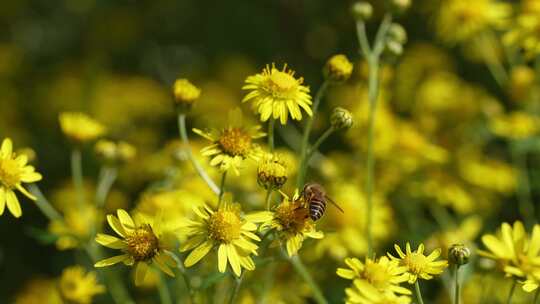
pixel 43 204
pixel 222 188
pixel 270 135
pixel 236 288
pixel 511 293
pixel 418 293
pixel 184 276
pixel 493 63
pixel 307 131
pixel 194 162
pixel 525 204
pixel 163 290
pixel 107 177
pixel 536 296
pixel 304 273
pixel 319 141
pixel 456 290
pixel 268 198
pixel 77 175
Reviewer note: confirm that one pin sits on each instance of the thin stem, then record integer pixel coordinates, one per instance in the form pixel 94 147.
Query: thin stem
pixel 236 288
pixel 270 135
pixel 163 290
pixel 456 288
pixel 77 175
pixel 525 204
pixel 418 293
pixel 319 141
pixel 184 276
pixel 194 162
pixel 304 273
pixel 107 177
pixel 381 35
pixel 222 188
pixel 307 131
pixel 493 63
pixel 362 38
pixel 43 204
pixel 268 198
pixel 511 293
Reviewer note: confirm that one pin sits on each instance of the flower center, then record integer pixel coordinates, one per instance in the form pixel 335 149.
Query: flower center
pixel 415 262
pixel 281 82
pixel 235 141
pixel 142 244
pixel 292 216
pixel 9 173
pixel 377 275
pixel 224 226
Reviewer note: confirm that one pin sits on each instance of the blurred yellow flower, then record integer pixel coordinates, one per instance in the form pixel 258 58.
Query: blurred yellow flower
pixel 228 230
pixel 338 68
pixel 79 287
pixel 233 144
pixel 516 125
pixel 460 20
pixel 185 93
pixel 277 94
pixel 362 292
pixel 38 291
pixel 142 244
pixel 74 229
pixel 525 34
pixel 291 221
pixel 115 152
pixel 418 265
pixel 80 127
pixel 272 171
pixel 14 171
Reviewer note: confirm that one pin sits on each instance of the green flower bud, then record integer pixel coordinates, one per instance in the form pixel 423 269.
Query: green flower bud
pixel 399 6
pixel 394 48
pixel 341 119
pixel 362 11
pixel 397 33
pixel 458 254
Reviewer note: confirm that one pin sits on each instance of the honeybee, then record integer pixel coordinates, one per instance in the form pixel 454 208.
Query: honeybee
pixel 315 197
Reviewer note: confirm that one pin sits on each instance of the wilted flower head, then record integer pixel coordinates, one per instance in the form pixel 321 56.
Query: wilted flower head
pixel 79 127
pixel 276 94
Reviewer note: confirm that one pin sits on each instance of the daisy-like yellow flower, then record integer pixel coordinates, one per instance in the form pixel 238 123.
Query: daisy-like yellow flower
pixel 418 265
pixel 277 94
pixel 233 144
pixel 361 292
pixel 78 287
pixel 292 223
pixel 142 243
pixel 515 253
pixel 80 127
pixel 460 20
pixel 14 171
pixel 383 274
pixel 515 125
pixel 226 229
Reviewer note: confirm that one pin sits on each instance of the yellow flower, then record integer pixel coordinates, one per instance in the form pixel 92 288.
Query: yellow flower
pixel 383 274
pixel 115 152
pixel 516 254
pixel 362 292
pixel 338 68
pixel 13 172
pixel 233 144
pixel 272 172
pixel 38 291
pixel 291 221
pixel 460 20
pixel 228 230
pixel 516 125
pixel 78 287
pixel 277 93
pixel 79 127
pixel 75 228
pixel 525 34
pixel 142 244
pixel 185 93
pixel 418 265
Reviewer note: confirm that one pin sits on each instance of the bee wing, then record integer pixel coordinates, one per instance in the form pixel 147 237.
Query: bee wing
pixel 334 203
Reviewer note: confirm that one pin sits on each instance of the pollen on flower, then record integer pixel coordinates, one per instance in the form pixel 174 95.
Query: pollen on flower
pixel 377 274
pixel 224 226
pixel 292 216
pixel 415 262
pixel 142 244
pixel 281 82
pixel 235 141
pixel 9 172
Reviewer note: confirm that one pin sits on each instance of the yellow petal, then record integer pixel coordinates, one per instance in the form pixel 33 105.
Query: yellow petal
pixel 198 253
pixel 345 273
pixel 111 261
pixel 259 217
pixel 2 200
pixel 160 262
pixel 234 260
pixel 13 203
pixel 31 177
pixel 125 220
pixel 115 225
pixel 25 192
pixel 140 272
pixel 110 241
pixel 7 148
pixel 222 258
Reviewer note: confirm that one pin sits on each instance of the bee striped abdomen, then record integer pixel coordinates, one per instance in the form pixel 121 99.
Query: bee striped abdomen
pixel 316 209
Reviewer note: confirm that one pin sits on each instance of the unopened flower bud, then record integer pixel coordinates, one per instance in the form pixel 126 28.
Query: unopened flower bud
pixel 397 33
pixel 458 254
pixel 272 172
pixel 399 6
pixel 362 11
pixel 341 119
pixel 185 94
pixel 114 153
pixel 125 151
pixel 338 68
pixel 394 48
